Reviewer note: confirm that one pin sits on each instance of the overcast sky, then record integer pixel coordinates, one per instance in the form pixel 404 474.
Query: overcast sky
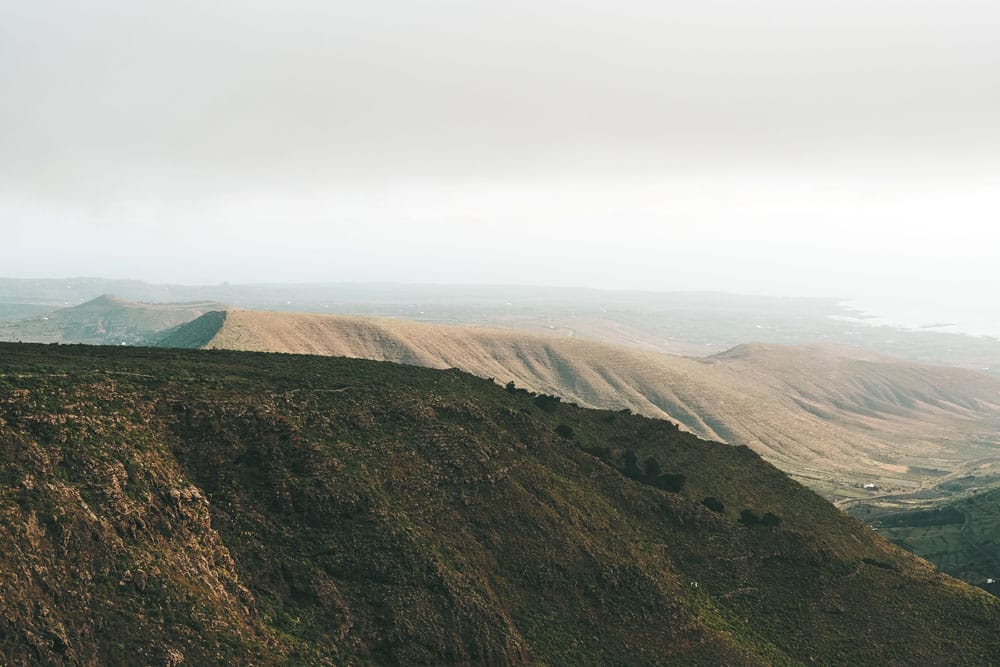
pixel 795 147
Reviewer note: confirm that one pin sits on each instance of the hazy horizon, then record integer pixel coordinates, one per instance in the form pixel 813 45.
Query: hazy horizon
pixel 956 318
pixel 783 148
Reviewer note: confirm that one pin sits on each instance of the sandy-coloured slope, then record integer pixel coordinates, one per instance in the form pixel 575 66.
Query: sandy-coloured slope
pixel 833 417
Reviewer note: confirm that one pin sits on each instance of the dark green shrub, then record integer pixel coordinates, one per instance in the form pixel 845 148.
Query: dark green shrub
pixel 714 504
pixel 770 519
pixel 565 431
pixel 514 389
pixel 547 403
pixel 752 517
pixel 603 453
pixel 670 481
pixel 629 464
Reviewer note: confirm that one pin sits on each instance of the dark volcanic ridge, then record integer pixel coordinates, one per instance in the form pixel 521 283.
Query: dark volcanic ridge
pixel 221 507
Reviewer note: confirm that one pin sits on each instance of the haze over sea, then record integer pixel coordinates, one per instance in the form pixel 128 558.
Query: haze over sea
pixel 961 314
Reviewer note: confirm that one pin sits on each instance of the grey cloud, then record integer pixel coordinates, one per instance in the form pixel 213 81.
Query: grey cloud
pixel 633 131
pixel 345 88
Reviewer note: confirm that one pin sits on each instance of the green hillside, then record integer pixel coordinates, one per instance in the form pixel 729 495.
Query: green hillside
pixel 961 535
pixel 221 507
pixel 106 320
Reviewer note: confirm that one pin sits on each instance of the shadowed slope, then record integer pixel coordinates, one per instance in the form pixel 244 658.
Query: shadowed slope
pixel 832 416
pixel 196 334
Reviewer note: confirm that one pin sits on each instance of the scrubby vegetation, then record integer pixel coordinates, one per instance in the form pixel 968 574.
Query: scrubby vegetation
pixel 236 508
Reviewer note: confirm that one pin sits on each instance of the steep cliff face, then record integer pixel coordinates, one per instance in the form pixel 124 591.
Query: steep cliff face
pixel 110 556
pixel 224 508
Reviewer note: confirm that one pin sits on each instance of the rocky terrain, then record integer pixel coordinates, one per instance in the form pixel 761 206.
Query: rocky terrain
pixel 175 507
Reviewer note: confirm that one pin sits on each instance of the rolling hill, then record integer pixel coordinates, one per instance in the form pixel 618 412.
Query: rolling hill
pixel 689 323
pixel 835 418
pixel 218 507
pixel 106 320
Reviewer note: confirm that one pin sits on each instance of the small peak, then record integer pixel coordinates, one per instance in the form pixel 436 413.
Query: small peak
pixel 103 302
pixel 742 350
pixel 109 299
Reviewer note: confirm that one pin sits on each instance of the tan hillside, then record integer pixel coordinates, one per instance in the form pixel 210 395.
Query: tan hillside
pixel 833 417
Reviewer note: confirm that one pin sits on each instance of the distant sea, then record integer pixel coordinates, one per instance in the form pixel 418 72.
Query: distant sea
pixel 952 316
